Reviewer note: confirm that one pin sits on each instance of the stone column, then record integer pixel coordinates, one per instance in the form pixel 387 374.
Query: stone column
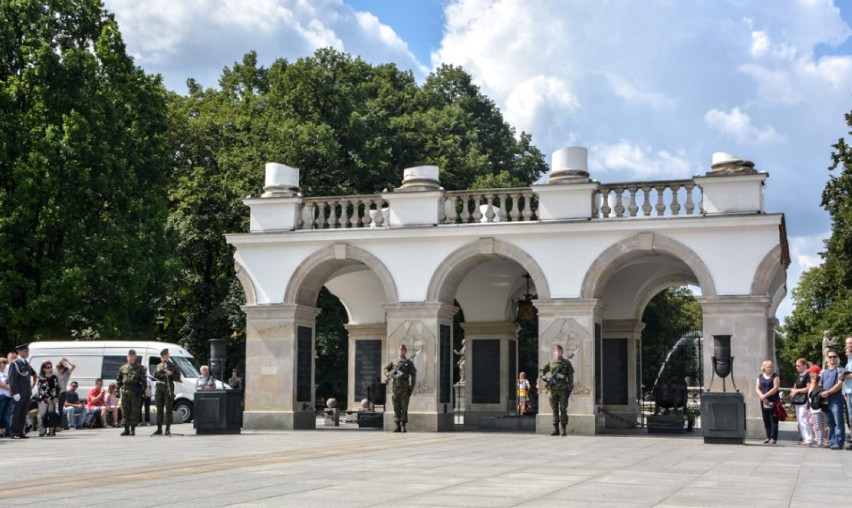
pixel 745 319
pixel 571 323
pixel 427 328
pixel 620 337
pixel 277 397
pixel 363 340
pixel 490 376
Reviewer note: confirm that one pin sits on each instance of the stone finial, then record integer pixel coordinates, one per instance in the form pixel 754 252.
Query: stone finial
pixel 569 165
pixel 282 181
pixel 420 178
pixel 725 164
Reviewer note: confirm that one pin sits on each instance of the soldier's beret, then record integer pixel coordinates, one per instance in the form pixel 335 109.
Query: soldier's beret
pixel 22 347
pixel 131 352
pixel 402 346
pixel 164 352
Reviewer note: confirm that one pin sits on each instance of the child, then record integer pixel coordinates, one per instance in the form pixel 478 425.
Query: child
pixel 523 393
pixel 815 401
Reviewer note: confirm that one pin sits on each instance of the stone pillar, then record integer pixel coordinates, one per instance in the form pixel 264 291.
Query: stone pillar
pixel 620 341
pixel 279 378
pixel 490 349
pixel 571 323
pixel 745 319
pixel 367 358
pixel 427 328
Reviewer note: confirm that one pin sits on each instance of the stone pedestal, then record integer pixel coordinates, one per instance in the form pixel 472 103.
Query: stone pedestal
pixel 218 412
pixel 723 418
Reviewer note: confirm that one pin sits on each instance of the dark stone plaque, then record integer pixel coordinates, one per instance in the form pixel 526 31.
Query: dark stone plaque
pixel 598 347
pixel 368 360
pixel 485 375
pixel 513 370
pixel 446 362
pixel 615 368
pixel 304 364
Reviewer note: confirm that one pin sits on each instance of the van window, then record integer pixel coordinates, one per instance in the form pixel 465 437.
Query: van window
pixel 111 366
pixel 186 366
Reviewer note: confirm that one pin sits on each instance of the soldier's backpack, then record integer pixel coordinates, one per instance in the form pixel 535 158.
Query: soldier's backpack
pixel 92 420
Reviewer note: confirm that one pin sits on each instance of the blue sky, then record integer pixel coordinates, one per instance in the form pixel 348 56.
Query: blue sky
pixel 650 87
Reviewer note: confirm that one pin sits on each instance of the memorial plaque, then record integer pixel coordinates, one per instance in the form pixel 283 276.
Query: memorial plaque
pixel 485 375
pixel 446 362
pixel 368 360
pixel 615 382
pixel 304 364
pixel 513 370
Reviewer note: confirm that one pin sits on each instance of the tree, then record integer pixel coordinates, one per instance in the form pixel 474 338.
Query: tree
pixel 823 298
pixel 83 168
pixel 670 315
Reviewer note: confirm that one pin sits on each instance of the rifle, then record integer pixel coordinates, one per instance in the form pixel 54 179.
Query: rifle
pixel 396 370
pixel 551 378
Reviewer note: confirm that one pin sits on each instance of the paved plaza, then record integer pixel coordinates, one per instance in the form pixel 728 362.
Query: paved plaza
pixel 347 466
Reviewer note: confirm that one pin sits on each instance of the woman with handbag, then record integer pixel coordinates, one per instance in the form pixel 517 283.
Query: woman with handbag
pixel 767 386
pixel 48 399
pixel 799 399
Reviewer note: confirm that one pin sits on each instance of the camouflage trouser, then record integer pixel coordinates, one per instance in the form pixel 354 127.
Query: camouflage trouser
pixel 559 406
pixel 400 403
pixel 131 408
pixel 165 404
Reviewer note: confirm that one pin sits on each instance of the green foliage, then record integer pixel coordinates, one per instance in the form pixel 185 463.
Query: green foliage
pixel 83 168
pixel 670 315
pixel 823 298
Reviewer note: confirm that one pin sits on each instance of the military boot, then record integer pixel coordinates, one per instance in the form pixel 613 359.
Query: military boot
pixel 159 431
pixel 126 431
pixel 555 430
pixel 398 427
pixel 403 428
pixel 564 430
pixel 133 430
pixel 168 431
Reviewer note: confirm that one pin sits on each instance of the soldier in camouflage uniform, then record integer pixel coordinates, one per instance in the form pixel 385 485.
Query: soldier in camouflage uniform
pixel 131 383
pixel 404 375
pixel 166 374
pixel 560 372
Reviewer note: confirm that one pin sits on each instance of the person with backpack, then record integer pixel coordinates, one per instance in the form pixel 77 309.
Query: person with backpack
pixel 799 399
pixel 558 377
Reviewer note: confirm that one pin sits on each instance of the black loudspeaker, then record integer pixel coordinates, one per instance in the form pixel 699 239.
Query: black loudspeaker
pixel 722 361
pixel 218 354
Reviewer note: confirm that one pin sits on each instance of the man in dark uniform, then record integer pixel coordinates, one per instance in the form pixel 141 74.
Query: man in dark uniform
pixel 558 377
pixel 166 375
pixel 131 382
pixel 21 379
pixel 403 374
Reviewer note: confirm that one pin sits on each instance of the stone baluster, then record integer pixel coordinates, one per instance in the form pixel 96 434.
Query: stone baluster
pixel 503 216
pixel 661 201
pixel 675 206
pixel 690 206
pixel 632 207
pixel 619 206
pixel 605 209
pixel 528 205
pixel 646 201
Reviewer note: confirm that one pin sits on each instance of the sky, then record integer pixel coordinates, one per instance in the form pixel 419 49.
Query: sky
pixel 652 88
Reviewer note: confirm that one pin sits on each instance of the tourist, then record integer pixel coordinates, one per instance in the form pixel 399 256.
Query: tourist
pixel 847 386
pixel 523 393
pixel 235 381
pixel 48 399
pixel 767 386
pixel 6 401
pixel 110 406
pixel 816 404
pixel 832 382
pixel 799 399
pixel 64 369
pixel 205 381
pixel 74 409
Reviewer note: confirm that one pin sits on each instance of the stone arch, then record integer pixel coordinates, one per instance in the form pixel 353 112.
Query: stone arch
pixel 246 282
pixel 309 277
pixel 650 291
pixel 770 269
pixel 448 276
pixel 643 244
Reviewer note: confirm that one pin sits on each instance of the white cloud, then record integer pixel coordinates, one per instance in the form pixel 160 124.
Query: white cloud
pixel 198 38
pixel 536 99
pixel 737 125
pixel 638 162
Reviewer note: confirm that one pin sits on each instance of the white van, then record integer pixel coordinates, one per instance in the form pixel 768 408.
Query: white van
pixel 102 359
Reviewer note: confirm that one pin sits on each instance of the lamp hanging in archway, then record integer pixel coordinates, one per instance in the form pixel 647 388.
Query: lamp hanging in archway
pixel 525 310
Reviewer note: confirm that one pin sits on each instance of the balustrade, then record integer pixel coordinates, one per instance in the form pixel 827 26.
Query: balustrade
pixel 664 198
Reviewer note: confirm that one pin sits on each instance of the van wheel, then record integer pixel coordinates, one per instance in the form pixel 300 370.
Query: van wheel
pixel 182 412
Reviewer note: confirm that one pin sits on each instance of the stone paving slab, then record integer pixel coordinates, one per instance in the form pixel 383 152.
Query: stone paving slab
pixel 354 468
